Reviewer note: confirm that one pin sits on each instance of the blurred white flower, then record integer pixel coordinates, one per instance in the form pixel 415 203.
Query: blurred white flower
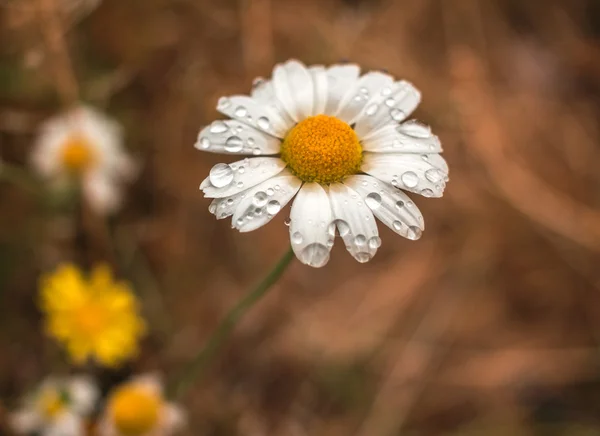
pixel 84 146
pixel 138 408
pixel 58 407
pixel 337 139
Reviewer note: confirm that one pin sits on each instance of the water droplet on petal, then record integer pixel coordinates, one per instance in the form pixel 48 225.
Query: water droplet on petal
pixel 415 128
pixel 373 200
pixel 287 222
pixel 360 240
pixel 410 179
pixel 413 233
pixel 218 127
pixel 234 144
pixel 427 192
pixel 240 221
pixel 315 255
pixel 260 199
pixel 297 238
pixel 397 114
pixel 223 103
pixel 221 175
pixel 273 207
pixel 386 91
pixel 240 111
pixel 229 201
pixel 241 169
pixel 371 109
pixel 433 175
pixel 250 141
pixel 270 192
pixel 390 102
pixel 375 242
pixel 263 123
pixel 240 184
pixel 212 208
pixel 400 204
pixel 343 227
pixel 204 143
pixel 362 257
pixel 397 225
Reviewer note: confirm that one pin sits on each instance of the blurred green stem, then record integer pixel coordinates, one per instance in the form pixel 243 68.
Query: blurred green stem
pixel 194 370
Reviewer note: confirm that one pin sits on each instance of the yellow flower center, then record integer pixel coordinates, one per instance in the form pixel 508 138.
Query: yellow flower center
pixel 52 404
pixel 134 410
pixel 77 154
pixel 322 149
pixel 91 318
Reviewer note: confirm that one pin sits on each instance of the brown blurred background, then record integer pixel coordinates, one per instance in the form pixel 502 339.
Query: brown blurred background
pixel 488 325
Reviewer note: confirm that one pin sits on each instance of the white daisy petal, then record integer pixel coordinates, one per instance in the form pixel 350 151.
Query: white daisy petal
pixel 83 393
pixel 68 424
pixel 310 220
pixel 225 180
pixel 355 222
pixel 409 137
pixel 320 87
pixel 340 78
pixel 174 418
pixel 102 193
pixel 384 109
pixel 392 206
pixel 223 207
pixel 235 137
pixel 411 172
pixel 370 87
pixel 264 92
pixel 25 421
pixel 293 87
pixel 264 201
pixel 255 114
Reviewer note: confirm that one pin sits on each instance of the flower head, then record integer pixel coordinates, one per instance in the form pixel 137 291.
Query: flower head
pixel 93 317
pixel 58 407
pixel 336 139
pixel 83 146
pixel 138 408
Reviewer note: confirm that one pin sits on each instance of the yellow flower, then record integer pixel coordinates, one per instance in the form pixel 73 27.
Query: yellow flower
pixel 93 317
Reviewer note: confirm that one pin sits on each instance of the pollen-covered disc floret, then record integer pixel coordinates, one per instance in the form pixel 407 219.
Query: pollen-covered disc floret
pixel 335 143
pixel 322 149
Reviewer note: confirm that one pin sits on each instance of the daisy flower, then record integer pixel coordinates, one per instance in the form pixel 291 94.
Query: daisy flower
pixel 83 146
pixel 58 407
pixel 138 408
pixel 339 141
pixel 93 317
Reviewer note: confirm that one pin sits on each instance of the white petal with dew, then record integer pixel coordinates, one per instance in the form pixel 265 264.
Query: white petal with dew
pixel 320 87
pixel 310 220
pixel 340 78
pixel 293 87
pixel 392 108
pixel 225 180
pixel 235 137
pixel 247 110
pixel 354 221
pixel 421 174
pixel 390 205
pixel 368 88
pixel 409 137
pixel 264 201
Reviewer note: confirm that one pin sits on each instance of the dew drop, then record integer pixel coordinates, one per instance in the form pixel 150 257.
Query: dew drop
pixel 297 238
pixel 343 227
pixel 250 141
pixel 375 242
pixel 315 255
pixel 386 91
pixel 413 233
pixel 223 103
pixel 427 192
pixel 204 143
pixel 373 200
pixel 240 184
pixel 277 187
pixel 287 222
pixel 433 175
pixel 240 111
pixel 242 169
pixel 212 208
pixel 260 199
pixel 218 127
pixel 263 123
pixel 410 179
pixel 360 240
pixel 234 144
pixel 397 225
pixel 400 204
pixel 256 151
pixel 390 102
pixel 397 114
pixel 371 109
pixel 221 175
pixel 273 207
pixel 415 129
pixel 362 257
pixel 270 192
pixel 329 243
pixel 229 201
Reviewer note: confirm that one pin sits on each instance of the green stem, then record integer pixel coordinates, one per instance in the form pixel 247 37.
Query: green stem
pixel 193 371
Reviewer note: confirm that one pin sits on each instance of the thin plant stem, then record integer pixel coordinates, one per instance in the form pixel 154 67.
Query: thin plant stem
pixel 194 371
